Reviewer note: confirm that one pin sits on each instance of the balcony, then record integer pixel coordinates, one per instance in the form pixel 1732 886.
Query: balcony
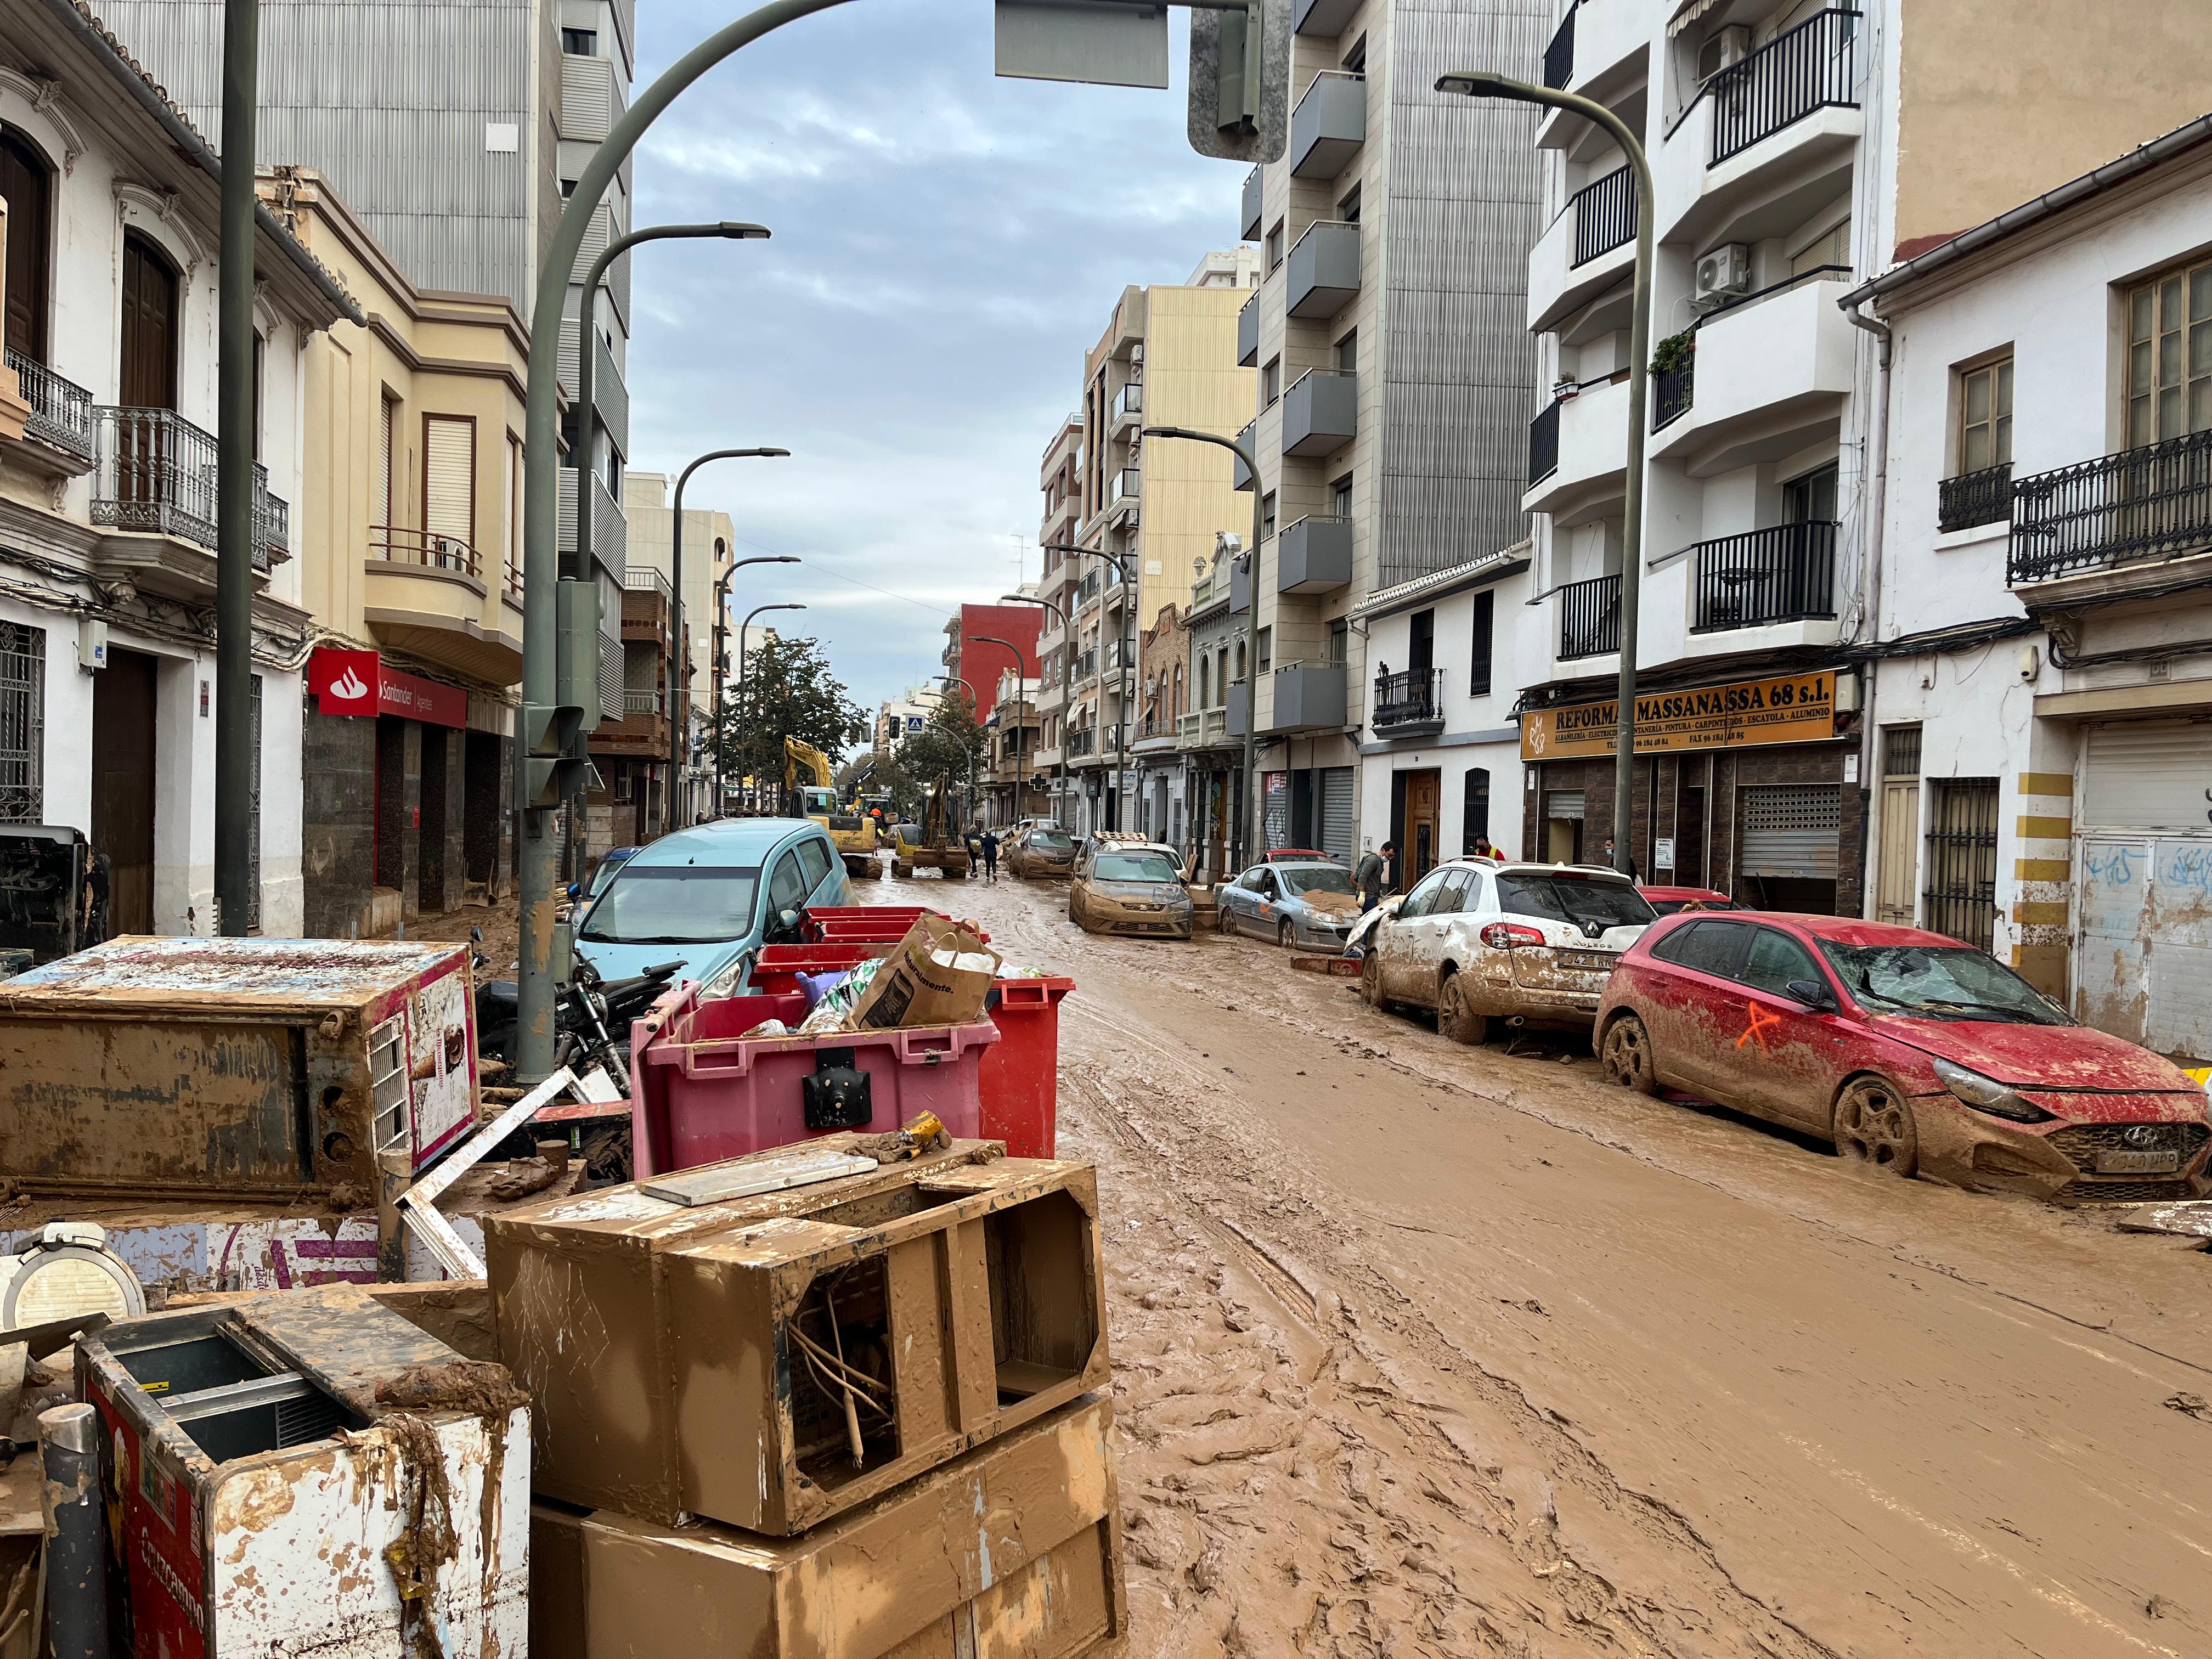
pixel 1974 498
pixel 1240 475
pixel 1586 468
pixel 1323 271
pixel 1408 705
pixel 1673 391
pixel 643 731
pixel 1784 573
pixel 610 392
pixel 1544 442
pixel 1310 696
pixel 1314 555
pixel 2099 518
pixel 1589 618
pixel 1605 214
pixel 1237 711
pixel 425 594
pixel 1255 208
pixel 1248 332
pixel 610 529
pixel 1240 586
pixel 1810 68
pixel 1122 491
pixel 641 702
pixel 1202 728
pixel 1085 668
pixel 1324 18
pixel 1328 125
pixel 424 549
pixel 156 473
pixel 61 418
pixel 1319 412
pixel 1559 56
pixel 1082 744
pixel 1086 591
pixel 1576 260
pixel 1770 377
pixel 1129 408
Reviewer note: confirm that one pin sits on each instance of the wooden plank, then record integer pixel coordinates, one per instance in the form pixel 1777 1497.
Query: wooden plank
pixel 966 1276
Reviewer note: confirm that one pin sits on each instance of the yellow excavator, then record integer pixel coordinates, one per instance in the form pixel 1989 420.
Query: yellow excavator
pixel 809 791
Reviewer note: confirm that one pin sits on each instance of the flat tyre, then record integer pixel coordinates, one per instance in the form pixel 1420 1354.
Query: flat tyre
pixel 1875 1128
pixel 1624 1055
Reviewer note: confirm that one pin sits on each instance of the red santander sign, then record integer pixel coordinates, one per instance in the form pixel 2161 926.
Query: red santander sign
pixel 360 683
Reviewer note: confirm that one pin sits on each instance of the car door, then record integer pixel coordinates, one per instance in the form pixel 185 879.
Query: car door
pixel 824 871
pixel 1693 1004
pixel 1430 946
pixel 1238 900
pixel 786 890
pixel 1788 1053
pixel 1266 902
pixel 1403 938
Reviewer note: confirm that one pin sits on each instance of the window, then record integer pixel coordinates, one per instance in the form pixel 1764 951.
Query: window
pixel 568 188
pixel 1205 682
pixel 1810 499
pixel 387 455
pixel 512 555
pixel 449 484
pixel 1240 662
pixel 581 43
pixel 1340 497
pixel 1355 61
pixel 1348 209
pixel 1347 353
pixel 150 326
pixel 1340 641
pixel 1985 415
pixel 23 723
pixel 1266 649
pixel 1270 382
pixel 1829 248
pixel 1267 516
pixel 2170 356
pixel 1707 947
pixel 1775 960
pixel 26 185
pixel 1451 895
pixel 1474 816
pixel 1419 900
pixel 787 889
pixel 260 371
pixel 1481 645
pixel 1275 247
pixel 815 855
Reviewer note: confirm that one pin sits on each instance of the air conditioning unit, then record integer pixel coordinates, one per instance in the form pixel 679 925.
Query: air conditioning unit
pixel 68 1272
pixel 1722 47
pixel 1723 274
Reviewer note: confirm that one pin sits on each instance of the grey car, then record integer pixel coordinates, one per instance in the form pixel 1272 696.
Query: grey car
pixel 1310 904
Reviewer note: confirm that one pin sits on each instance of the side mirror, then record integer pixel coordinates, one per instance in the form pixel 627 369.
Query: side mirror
pixel 476 934
pixel 1814 994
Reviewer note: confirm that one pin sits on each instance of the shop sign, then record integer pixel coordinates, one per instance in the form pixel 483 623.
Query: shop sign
pixel 361 682
pixel 1791 709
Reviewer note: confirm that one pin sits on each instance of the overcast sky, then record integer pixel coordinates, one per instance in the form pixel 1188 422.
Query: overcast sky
pixel 946 246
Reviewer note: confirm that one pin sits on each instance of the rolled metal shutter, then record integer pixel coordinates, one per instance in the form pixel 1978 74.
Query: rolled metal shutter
pixel 449 478
pixel 1793 832
pixel 2146 774
pixel 1563 804
pixel 1339 834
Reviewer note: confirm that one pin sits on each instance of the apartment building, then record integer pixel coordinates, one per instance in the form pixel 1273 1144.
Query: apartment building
pixel 1795 148
pixel 982 641
pixel 1059 481
pixel 1163 673
pixel 409 538
pixel 2037 732
pixel 1012 788
pixel 1213 636
pixel 1144 514
pixel 709 537
pixel 631 755
pixel 454 134
pixel 107 480
pixel 1394 371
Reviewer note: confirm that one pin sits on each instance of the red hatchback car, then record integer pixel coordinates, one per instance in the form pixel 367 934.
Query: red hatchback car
pixel 1913 1051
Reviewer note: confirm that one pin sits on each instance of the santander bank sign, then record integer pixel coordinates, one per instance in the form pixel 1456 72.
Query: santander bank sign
pixel 361 682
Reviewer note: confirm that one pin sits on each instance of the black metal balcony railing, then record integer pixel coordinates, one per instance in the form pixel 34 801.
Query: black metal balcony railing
pixel 157 472
pixel 1087 589
pixel 1544 443
pixel 1786 572
pixel 1605 214
pixel 1672 389
pixel 1559 56
pixel 423 547
pixel 61 410
pixel 1810 67
pixel 1086 665
pixel 1415 697
pixel 1972 498
pixel 2141 505
pixel 1084 742
pixel 1589 618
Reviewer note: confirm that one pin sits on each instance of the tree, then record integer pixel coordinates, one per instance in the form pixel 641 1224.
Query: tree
pixel 788 692
pixel 952 745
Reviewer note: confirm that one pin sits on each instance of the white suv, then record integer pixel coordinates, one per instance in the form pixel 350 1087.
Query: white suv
pixel 1479 940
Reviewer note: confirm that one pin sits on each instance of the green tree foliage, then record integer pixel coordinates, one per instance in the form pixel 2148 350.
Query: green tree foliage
pixel 948 746
pixel 788 692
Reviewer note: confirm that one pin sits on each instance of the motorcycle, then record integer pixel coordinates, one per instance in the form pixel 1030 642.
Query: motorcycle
pixel 590 1020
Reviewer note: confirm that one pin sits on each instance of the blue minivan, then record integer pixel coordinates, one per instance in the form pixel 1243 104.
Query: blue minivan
pixel 708 896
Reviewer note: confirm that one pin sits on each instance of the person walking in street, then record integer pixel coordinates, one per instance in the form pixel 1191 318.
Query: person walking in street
pixel 1372 878
pixel 990 856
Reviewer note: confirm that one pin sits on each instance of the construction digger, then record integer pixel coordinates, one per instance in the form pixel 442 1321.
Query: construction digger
pixel 936 843
pixel 809 791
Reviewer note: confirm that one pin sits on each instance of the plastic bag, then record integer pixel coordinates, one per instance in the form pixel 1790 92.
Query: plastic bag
pixel 834 1011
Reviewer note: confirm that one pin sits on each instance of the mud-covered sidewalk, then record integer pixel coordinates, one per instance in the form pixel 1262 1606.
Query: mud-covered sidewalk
pixel 1425 1350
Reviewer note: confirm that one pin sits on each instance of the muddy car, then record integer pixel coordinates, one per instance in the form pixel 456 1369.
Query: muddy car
pixel 1309 904
pixel 1120 889
pixel 1666 901
pixel 1481 941
pixel 1042 852
pixel 1915 1053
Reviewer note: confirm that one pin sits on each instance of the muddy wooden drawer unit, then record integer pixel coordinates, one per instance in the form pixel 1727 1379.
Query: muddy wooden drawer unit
pixel 771 1361
pixel 233 1067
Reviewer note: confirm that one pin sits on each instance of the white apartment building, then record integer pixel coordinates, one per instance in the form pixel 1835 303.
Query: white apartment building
pixel 1794 149
pixel 709 543
pixel 899 718
pixel 107 480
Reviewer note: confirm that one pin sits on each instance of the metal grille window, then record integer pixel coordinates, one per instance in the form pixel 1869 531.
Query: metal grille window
pixel 23 724
pixel 2170 356
pixel 1474 819
pixel 1901 751
pixel 253 823
pixel 1962 859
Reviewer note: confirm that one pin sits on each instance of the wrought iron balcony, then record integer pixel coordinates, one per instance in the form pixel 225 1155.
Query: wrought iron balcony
pixel 1972 498
pixel 1559 56
pixel 1786 572
pixel 1409 704
pixel 1812 67
pixel 422 547
pixel 1082 743
pixel 157 473
pixel 61 410
pixel 1673 391
pixel 1544 443
pixel 1605 212
pixel 2135 507
pixel 1589 618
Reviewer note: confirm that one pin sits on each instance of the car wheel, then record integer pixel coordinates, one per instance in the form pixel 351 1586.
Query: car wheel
pixel 1370 981
pixel 1225 919
pixel 1455 1020
pixel 1286 935
pixel 1625 1055
pixel 1873 1125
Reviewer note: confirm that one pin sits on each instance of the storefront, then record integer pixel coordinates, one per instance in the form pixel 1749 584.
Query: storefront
pixel 1750 786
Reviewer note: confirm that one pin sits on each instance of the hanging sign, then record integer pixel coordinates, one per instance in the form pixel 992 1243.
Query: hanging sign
pixel 361 682
pixel 1792 708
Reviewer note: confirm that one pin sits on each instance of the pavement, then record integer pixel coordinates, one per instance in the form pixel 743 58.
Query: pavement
pixel 1421 1349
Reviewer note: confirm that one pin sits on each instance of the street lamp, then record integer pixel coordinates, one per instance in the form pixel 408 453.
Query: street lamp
pixel 1480 84
pixel 1021 704
pixel 676 734
pixel 744 628
pixel 1059 799
pixel 721 648
pixel 974 704
pixel 1247 809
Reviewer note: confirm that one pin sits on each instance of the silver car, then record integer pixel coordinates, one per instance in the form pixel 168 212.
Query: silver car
pixel 1309 903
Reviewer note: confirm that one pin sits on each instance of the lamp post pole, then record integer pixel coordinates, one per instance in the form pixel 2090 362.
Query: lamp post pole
pixel 1021 706
pixel 676 734
pixel 974 704
pixel 720 641
pixel 1480 84
pixel 744 628
pixel 1060 794
pixel 1247 808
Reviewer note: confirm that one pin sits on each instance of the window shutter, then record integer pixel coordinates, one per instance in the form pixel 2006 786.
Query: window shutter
pixel 384 465
pixel 449 465
pixel 1485 609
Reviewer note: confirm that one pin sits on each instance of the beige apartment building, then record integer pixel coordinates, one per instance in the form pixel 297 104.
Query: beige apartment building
pixel 709 537
pixel 1168 355
pixel 409 537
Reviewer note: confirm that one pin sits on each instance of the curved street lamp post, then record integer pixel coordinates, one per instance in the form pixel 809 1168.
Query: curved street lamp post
pixel 1021 706
pixel 721 649
pixel 1059 792
pixel 744 628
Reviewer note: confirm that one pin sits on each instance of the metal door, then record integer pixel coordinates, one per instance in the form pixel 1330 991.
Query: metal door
pixel 122 709
pixel 1339 836
pixel 1792 832
pixel 1962 859
pixel 1896 877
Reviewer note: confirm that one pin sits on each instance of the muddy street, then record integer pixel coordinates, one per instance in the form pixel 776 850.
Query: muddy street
pixel 1425 1349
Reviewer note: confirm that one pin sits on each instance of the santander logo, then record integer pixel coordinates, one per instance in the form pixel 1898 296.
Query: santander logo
pixel 348 687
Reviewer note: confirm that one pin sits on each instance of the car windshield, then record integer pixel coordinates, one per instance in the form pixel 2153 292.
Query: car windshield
pixel 606 873
pixel 1132 867
pixel 1331 880
pixel 1939 982
pixel 674 904
pixel 1568 898
pixel 1058 840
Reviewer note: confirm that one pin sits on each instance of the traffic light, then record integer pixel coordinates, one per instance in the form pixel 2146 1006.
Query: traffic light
pixel 1240 81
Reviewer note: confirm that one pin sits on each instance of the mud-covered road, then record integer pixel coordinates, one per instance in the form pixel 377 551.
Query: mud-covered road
pixel 1426 1350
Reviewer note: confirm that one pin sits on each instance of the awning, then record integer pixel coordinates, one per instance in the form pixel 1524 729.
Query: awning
pixel 1688 13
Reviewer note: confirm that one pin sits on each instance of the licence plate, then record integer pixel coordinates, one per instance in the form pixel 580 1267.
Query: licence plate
pixel 2138 1163
pixel 1591 961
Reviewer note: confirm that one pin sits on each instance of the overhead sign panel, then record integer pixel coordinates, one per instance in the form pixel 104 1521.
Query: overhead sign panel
pixel 1792 708
pixel 1107 42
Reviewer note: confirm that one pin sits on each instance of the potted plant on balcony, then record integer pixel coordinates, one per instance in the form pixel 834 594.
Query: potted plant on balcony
pixel 1675 353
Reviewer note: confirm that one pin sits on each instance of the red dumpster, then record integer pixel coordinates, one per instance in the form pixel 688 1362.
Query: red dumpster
pixel 851 923
pixel 778 966
pixel 1021 1072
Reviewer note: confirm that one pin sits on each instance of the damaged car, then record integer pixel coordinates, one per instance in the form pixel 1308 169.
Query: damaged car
pixel 1915 1053
pixel 1042 852
pixel 1122 889
pixel 1309 903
